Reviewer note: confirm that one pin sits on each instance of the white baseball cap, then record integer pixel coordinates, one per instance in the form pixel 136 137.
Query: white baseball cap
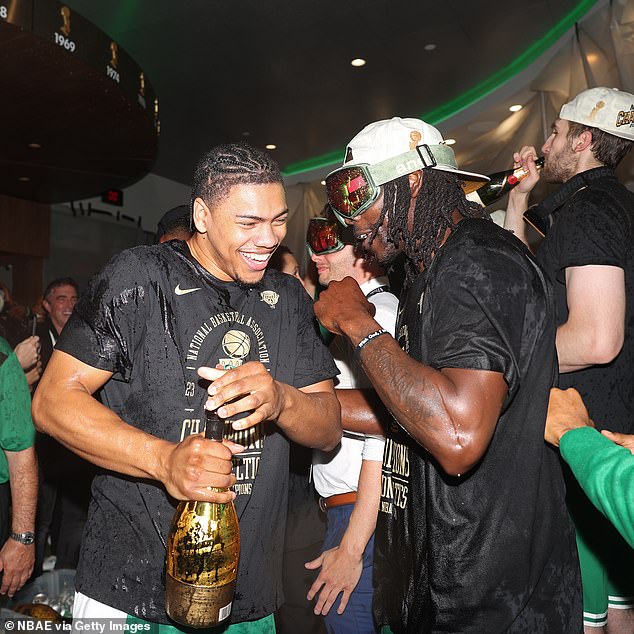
pixel 607 109
pixel 398 138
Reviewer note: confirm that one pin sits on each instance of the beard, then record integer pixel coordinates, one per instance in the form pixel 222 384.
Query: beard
pixel 559 167
pixel 249 286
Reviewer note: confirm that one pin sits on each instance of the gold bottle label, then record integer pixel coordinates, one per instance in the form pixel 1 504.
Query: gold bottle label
pixel 198 606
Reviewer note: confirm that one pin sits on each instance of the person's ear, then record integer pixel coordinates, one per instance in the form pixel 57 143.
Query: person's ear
pixel 201 215
pixel 415 182
pixel 582 142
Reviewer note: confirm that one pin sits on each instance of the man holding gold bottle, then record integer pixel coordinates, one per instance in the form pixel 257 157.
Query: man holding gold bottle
pixel 151 325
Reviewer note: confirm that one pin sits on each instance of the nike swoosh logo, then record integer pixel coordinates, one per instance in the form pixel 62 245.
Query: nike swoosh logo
pixel 183 291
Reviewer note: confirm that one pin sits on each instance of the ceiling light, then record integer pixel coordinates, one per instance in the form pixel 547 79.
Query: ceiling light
pixel 271 146
pixel 429 47
pixel 323 182
pixel 34 146
pixel 516 108
pixel 24 179
pixel 357 62
pixel 450 141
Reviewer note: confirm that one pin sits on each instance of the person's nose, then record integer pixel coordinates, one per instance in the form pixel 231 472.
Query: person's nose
pixel 547 145
pixel 267 237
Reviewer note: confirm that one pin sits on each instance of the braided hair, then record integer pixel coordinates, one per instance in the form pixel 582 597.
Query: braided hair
pixel 441 193
pixel 233 164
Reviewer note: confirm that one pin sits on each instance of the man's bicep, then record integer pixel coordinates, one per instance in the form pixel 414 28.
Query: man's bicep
pixel 596 296
pixel 65 372
pixel 476 401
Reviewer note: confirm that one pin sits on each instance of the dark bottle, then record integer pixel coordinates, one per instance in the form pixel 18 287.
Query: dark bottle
pixel 203 548
pixel 501 183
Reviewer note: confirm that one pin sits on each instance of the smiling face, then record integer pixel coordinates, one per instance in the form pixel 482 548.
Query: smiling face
pixel 59 305
pixel 334 266
pixel 238 235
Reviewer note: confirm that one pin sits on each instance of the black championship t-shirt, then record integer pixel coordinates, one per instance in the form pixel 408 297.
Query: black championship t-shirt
pixel 152 317
pixel 493 550
pixel 595 227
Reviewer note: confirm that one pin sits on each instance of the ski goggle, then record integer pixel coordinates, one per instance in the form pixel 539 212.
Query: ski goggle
pixel 324 236
pixel 352 189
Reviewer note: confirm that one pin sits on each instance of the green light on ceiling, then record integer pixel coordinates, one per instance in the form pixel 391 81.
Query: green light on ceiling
pixel 469 97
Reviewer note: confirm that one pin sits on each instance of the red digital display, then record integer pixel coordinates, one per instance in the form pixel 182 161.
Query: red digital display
pixel 113 197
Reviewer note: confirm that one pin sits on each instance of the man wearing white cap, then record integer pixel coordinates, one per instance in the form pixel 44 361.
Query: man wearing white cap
pixel 588 254
pixel 472 534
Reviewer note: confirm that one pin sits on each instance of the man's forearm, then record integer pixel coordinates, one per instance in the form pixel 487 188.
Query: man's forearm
pixel 23 479
pixel 312 419
pixel 363 518
pixel 514 218
pixel 362 411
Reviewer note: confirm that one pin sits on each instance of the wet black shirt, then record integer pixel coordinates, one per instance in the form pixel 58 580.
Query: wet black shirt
pixel 152 317
pixel 595 227
pixel 493 550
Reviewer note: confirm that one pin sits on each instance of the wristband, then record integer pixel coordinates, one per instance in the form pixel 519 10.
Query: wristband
pixel 366 340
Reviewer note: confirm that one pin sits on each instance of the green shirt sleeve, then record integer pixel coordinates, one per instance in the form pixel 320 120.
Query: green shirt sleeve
pixel 16 426
pixel 605 472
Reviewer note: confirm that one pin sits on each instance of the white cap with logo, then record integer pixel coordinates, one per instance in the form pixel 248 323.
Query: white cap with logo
pixel 607 109
pixel 396 138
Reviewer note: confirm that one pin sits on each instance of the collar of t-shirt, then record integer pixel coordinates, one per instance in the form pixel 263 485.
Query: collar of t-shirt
pixel 376 285
pixel 579 181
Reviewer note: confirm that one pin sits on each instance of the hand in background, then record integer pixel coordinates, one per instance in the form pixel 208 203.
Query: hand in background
pixel 28 352
pixel 625 440
pixel 566 411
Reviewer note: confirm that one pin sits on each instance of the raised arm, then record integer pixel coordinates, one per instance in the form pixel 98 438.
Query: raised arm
pixel 519 196
pixel 64 408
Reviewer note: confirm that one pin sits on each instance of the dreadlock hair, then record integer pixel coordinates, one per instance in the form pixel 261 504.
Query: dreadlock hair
pixel 233 164
pixel 441 193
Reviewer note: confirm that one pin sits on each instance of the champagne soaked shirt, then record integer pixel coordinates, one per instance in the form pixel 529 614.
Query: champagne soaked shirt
pixel 493 550
pixel 595 226
pixel 152 317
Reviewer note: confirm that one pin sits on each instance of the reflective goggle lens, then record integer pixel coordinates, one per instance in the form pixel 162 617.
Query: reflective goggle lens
pixel 323 236
pixel 350 191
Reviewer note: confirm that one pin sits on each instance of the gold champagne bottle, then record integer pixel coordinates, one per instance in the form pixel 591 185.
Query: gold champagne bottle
pixel 203 547
pixel 500 183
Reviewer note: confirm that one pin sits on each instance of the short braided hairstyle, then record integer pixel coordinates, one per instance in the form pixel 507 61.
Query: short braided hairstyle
pixel 441 193
pixel 232 164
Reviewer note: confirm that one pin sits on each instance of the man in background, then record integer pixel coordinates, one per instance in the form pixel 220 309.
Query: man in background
pixel 65 478
pixel 348 478
pixel 588 254
pixel 18 475
pixel 176 224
